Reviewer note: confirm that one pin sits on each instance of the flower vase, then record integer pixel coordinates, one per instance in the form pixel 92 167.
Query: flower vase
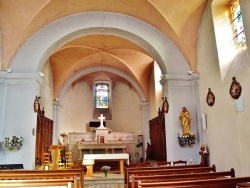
pixel 106 174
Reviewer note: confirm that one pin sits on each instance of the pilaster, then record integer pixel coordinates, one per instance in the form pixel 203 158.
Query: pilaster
pixel 181 90
pixel 145 121
pixel 56 124
pixel 17 116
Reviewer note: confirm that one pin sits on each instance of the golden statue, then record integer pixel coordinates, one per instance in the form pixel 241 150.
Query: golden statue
pixel 185 118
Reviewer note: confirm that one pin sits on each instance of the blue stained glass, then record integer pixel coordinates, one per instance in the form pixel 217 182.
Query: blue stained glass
pixel 238 27
pixel 102 95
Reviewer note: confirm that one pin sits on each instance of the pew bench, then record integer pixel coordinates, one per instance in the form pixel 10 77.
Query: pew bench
pixel 180 177
pixel 128 169
pixel 38 183
pixel 165 171
pixel 224 182
pixel 75 175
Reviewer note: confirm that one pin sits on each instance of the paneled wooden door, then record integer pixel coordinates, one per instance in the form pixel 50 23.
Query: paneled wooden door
pixel 44 133
pixel 158 138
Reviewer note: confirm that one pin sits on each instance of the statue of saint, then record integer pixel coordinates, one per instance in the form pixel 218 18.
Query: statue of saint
pixel 185 118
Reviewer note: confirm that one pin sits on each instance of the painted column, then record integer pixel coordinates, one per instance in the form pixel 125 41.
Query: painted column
pixel 56 118
pixel 17 115
pixel 145 122
pixel 181 91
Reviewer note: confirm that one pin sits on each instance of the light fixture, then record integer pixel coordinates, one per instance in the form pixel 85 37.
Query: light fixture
pixel 41 74
pixel 89 165
pixel 8 70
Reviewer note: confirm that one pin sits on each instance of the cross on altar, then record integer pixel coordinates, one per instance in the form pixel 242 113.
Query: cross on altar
pixel 101 118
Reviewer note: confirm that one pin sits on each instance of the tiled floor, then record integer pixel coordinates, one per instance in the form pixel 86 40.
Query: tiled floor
pixel 113 180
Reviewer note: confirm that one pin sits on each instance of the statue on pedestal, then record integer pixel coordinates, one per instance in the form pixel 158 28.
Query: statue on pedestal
pixel 185 118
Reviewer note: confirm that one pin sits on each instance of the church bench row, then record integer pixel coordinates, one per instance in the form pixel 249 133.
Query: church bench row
pixel 222 182
pixel 75 175
pixel 38 183
pixel 165 170
pixel 146 166
pixel 179 177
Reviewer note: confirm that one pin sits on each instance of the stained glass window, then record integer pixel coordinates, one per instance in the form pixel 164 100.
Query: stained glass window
pixel 102 95
pixel 238 27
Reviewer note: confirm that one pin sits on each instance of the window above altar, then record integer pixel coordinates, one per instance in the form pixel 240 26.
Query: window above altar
pixel 102 99
pixel 101 95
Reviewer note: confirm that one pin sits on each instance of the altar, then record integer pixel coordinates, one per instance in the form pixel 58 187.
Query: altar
pixel 108 148
pixel 85 143
pixel 114 156
pixel 100 141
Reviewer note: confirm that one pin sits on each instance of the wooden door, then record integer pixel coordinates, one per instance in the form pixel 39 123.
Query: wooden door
pixel 44 133
pixel 158 134
pixel 158 139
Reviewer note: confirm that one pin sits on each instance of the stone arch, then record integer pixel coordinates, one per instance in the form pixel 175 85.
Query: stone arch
pixel 81 73
pixel 57 33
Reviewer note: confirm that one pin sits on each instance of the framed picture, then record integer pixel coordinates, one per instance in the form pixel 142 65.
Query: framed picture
pixel 235 89
pixel 210 98
pixel 101 139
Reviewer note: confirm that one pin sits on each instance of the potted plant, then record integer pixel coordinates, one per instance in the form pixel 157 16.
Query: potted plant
pixel 13 143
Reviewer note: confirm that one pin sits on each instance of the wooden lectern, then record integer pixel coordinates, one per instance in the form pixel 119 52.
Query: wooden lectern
pixel 55 153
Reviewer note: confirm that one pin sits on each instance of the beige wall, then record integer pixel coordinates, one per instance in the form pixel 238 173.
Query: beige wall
pixel 77 108
pixel 47 91
pixel 228 131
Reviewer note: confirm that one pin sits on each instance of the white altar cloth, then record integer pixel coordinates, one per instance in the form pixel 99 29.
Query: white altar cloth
pixel 118 156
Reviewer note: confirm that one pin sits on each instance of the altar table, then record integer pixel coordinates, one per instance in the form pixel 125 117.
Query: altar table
pixel 119 156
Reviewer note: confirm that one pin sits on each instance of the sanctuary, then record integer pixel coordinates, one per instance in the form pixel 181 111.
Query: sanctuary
pixel 101 140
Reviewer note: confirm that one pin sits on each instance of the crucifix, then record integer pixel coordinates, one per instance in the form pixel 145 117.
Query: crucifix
pixel 101 118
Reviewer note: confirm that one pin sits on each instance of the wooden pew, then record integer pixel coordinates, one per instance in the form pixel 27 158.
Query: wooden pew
pixel 180 177
pixel 77 175
pixel 37 183
pixel 204 183
pixel 165 170
pixel 129 168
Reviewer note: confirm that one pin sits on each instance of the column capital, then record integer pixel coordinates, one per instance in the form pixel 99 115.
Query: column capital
pixel 19 79
pixel 171 77
pixel 144 105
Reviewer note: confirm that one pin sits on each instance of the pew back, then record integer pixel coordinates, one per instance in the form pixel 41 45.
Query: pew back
pixel 165 170
pixel 180 177
pixel 205 183
pixel 77 175
pixel 40 183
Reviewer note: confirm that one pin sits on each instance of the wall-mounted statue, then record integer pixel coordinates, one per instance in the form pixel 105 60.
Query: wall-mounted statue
pixel 185 118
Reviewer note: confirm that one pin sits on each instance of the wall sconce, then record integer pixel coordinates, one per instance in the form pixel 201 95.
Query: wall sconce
pixel 41 74
pixel 89 165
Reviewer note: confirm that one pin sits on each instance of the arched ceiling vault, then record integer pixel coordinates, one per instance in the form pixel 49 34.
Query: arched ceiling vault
pixel 178 20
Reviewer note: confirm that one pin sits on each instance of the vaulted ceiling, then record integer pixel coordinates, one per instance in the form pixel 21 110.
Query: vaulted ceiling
pixel 178 20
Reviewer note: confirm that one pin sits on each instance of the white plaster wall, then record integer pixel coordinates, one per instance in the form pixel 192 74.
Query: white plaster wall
pixel 152 98
pixel 47 90
pixel 77 109
pixel 19 118
pixel 228 131
pixel 155 91
pixel 181 94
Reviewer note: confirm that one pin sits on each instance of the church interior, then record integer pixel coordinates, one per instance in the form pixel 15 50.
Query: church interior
pixel 141 80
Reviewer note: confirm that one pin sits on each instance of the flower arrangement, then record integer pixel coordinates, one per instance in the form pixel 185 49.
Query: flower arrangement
pixel 13 143
pixel 105 170
pixel 186 140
